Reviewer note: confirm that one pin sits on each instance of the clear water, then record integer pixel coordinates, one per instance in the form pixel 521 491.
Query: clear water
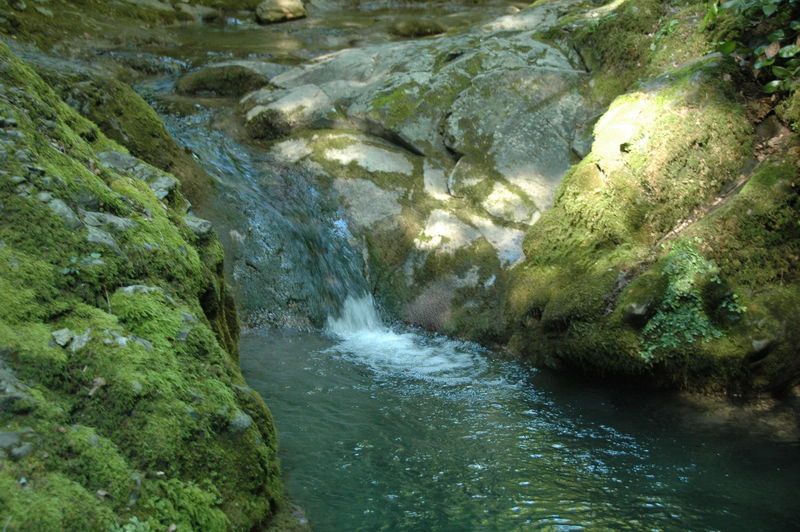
pixel 390 430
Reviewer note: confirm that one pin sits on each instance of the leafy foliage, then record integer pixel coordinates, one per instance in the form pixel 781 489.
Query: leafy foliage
pixel 774 49
pixel 681 318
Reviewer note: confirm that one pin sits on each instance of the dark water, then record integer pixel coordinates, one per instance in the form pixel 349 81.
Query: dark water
pixel 382 430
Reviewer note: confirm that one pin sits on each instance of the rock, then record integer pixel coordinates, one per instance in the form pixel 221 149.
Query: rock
pixel 271 11
pixel 159 182
pixel 199 13
pixel 80 341
pixel 118 160
pixel 163 185
pixel 98 236
pixel 9 439
pixel 444 232
pixel 101 219
pixel 198 226
pixel 291 151
pixel 366 202
pixel 277 113
pixel 506 241
pixel 508 205
pixel 63 211
pixel 371 158
pixel 229 78
pixel 417 27
pixel 435 182
pixel 62 337
pixel 142 289
pixel 240 423
pixel 152 4
pixel 21 451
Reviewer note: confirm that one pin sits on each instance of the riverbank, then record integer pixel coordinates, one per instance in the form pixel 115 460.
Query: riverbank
pixel 647 234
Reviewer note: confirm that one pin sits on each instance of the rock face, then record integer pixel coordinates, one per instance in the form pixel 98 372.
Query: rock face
pixel 271 11
pixel 466 137
pixel 121 398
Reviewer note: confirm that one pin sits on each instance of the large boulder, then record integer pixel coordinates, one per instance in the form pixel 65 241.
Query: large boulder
pixel 438 153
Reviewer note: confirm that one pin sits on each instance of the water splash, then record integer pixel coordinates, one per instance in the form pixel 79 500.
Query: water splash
pixel 358 315
pixel 364 339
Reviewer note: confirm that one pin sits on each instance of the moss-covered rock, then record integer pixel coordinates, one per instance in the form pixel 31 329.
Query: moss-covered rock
pixel 117 340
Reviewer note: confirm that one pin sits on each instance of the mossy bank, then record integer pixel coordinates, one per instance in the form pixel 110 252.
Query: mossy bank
pixel 669 256
pixel 123 406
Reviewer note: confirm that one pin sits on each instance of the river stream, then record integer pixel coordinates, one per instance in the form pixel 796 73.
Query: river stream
pixel 389 429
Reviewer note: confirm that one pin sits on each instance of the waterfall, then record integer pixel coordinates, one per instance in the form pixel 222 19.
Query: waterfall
pixel 358 314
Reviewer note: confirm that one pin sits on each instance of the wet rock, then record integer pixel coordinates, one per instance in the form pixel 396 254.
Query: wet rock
pixel 229 78
pixel 276 113
pixel 279 10
pixel 98 236
pixel 417 27
pixel 198 226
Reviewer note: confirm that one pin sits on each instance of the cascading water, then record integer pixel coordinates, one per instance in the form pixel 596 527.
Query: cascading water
pixel 290 254
pixel 383 428
pixel 362 338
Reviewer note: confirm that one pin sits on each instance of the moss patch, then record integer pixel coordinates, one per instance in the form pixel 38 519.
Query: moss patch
pixel 113 336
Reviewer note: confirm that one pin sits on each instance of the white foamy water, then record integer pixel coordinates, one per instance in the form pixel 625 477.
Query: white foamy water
pixel 364 339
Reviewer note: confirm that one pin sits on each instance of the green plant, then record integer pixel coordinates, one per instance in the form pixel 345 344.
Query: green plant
pixel 773 47
pixel 681 318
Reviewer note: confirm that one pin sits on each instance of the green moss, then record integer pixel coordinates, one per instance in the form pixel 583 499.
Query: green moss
pixel 232 80
pixel 660 155
pixel 126 118
pixel 138 412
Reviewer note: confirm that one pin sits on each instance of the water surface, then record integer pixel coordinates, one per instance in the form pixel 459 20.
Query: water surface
pixel 390 430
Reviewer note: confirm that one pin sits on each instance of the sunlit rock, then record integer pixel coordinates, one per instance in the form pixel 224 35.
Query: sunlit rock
pixel 279 10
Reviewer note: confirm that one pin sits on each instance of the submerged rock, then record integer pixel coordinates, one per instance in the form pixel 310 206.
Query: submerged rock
pixel 229 78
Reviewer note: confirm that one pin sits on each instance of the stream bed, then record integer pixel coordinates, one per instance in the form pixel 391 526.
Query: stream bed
pixel 384 429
